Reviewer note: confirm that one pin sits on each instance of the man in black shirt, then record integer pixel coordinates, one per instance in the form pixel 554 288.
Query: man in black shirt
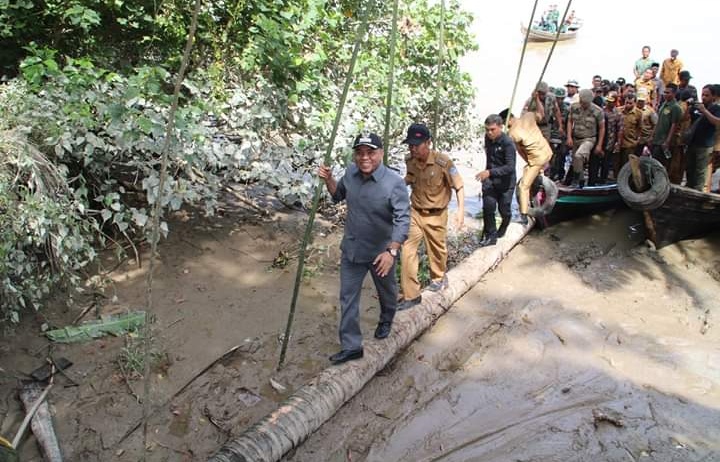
pixel 702 138
pixel 498 179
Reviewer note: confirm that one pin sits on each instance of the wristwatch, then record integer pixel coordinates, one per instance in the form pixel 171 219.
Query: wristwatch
pixel 393 252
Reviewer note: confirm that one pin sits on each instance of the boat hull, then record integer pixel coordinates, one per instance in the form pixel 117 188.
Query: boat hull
pixel 576 202
pixel 542 36
pixel 686 213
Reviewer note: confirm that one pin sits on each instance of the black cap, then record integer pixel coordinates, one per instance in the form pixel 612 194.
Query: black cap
pixel 417 134
pixel 620 81
pixel 368 139
pixel 685 75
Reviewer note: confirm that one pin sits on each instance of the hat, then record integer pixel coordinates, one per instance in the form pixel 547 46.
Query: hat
pixel 586 96
pixel 620 81
pixel 560 92
pixel 417 134
pixel 368 139
pixel 685 75
pixel 611 97
pixel 542 87
pixel 641 96
pixel 572 83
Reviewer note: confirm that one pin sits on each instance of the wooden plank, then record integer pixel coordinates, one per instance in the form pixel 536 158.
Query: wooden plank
pixel 41 423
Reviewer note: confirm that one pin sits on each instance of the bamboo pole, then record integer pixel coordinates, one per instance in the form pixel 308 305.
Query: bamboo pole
pixel 359 35
pixel 314 403
pixel 391 80
pixel 557 36
pixel 522 57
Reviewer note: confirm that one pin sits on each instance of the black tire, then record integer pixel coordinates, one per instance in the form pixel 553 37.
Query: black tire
pixel 656 176
pixel 551 195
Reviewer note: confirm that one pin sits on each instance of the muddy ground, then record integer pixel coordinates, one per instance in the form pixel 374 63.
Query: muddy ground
pixel 582 345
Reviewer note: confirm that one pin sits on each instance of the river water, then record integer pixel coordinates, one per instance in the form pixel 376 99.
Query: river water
pixel 608 44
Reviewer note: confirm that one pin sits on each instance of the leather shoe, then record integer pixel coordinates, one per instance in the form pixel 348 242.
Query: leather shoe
pixel 523 219
pixel 406 304
pixel 346 355
pixel 437 286
pixel 383 330
pixel 488 240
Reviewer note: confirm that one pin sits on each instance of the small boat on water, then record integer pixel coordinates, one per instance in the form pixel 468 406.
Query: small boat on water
pixel 671 212
pixel 539 35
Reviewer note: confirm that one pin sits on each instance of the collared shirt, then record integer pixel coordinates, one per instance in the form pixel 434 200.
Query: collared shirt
pixel 647 124
pixel 432 181
pixel 528 138
pixel 670 71
pixel 613 127
pixel 670 113
pixel 691 89
pixel 650 88
pixel 632 121
pixel 704 134
pixel 378 212
pixel 642 64
pixel 585 121
pixel 500 160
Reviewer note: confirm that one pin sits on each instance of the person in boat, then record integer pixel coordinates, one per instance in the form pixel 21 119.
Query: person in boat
pixel 585 134
pixel 647 121
pixel 643 63
pixel 550 106
pixel 671 68
pixel 498 179
pixel 600 165
pixel 684 84
pixel 702 137
pixel 664 144
pixel 432 177
pixel 629 135
pixel 377 224
pixel 677 167
pixel 647 83
pixel 533 147
pixel 659 86
pixel 557 137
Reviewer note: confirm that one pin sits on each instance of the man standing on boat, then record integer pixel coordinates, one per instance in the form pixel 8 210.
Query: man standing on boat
pixel 702 139
pixel 647 121
pixel 684 84
pixel 664 145
pixel 643 63
pixel 647 83
pixel 629 133
pixel 585 134
pixel 377 224
pixel 432 177
pixel 600 165
pixel 557 137
pixel 533 147
pixel 498 179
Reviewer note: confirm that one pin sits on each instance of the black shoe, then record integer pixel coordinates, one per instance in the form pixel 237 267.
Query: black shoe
pixel 406 304
pixel 523 219
pixel 346 355
pixel 383 330
pixel 437 286
pixel 488 240
pixel 503 228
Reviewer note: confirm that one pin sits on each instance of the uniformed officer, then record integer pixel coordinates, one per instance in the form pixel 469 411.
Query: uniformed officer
pixel 432 176
pixel 585 129
pixel 377 224
pixel 498 178
pixel 533 147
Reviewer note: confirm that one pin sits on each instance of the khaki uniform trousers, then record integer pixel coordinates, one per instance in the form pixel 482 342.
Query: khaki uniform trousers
pixel 530 172
pixel 431 227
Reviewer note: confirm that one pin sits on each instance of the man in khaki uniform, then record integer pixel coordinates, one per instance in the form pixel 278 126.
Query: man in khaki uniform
pixel 532 146
pixel 629 133
pixel 647 122
pixel 431 175
pixel 585 129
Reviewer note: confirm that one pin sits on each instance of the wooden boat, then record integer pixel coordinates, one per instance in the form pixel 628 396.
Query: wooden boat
pixel 671 212
pixel 539 35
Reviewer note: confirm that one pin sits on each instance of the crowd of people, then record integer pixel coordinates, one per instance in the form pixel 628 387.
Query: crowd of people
pixel 592 131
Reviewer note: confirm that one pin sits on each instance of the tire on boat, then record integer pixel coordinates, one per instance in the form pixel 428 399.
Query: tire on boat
pixel 655 175
pixel 551 194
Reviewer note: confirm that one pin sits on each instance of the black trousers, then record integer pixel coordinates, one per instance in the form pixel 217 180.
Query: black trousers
pixel 557 164
pixel 599 168
pixel 495 197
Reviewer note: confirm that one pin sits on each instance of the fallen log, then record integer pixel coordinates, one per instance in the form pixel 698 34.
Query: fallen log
pixel 41 423
pixel 314 403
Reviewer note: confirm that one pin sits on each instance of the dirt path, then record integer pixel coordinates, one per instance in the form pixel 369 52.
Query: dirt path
pixel 574 349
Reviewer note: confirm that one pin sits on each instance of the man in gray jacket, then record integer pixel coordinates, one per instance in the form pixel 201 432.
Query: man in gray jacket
pixel 378 218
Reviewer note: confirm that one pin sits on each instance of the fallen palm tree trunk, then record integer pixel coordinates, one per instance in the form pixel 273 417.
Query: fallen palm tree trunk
pixel 33 397
pixel 314 403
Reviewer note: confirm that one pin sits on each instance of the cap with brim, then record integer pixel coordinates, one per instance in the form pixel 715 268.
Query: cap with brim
pixel 586 96
pixel 417 134
pixel 610 99
pixel 542 87
pixel 572 83
pixel 370 140
pixel 685 75
pixel 620 81
pixel 560 92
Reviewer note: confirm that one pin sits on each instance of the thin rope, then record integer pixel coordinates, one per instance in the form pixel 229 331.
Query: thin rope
pixel 359 36
pixel 557 35
pixel 522 57
pixel 155 235
pixel 438 83
pixel 391 80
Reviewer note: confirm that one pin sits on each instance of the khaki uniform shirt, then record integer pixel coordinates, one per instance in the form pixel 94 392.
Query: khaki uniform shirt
pixel 549 106
pixel 670 71
pixel 431 182
pixel 647 124
pixel 632 121
pixel 649 86
pixel 585 121
pixel 684 124
pixel 529 138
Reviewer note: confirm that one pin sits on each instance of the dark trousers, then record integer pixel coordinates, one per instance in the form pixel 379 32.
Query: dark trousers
pixel 557 164
pixel 495 198
pixel 352 276
pixel 598 169
pixel 658 153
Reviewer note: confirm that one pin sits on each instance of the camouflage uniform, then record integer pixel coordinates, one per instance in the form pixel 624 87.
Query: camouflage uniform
pixel 601 164
pixel 544 124
pixel 585 128
pixel 557 140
